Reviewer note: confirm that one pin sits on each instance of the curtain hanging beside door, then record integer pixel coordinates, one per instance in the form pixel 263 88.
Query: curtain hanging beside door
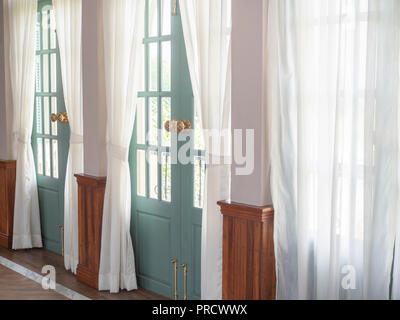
pixel 123 35
pixel 68 16
pixel 22 28
pixel 207 31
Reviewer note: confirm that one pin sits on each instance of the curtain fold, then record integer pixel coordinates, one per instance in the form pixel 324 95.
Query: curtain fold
pixel 123 35
pixel 11 151
pixel 68 16
pixel 333 90
pixel 207 32
pixel 22 28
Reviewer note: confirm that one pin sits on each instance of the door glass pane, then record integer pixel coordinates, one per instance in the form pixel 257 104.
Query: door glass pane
pixel 53 41
pixel 40 156
pixel 141 173
pixel 198 134
pixel 45 29
pixel 38 78
pixel 153 174
pixel 141 122
pixel 155 110
pixel 39 120
pixel 46 115
pixel 53 73
pixel 153 69
pixel 166 17
pixel 46 73
pixel 153 121
pixel 166 66
pixel 47 157
pixel 166 176
pixel 153 18
pixel 199 178
pixel 166 116
pixel 38 37
pixel 54 110
pixel 142 83
pixel 55 159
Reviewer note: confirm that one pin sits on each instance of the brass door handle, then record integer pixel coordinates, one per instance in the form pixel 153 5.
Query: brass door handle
pixel 175 263
pixel 62 238
pixel 60 117
pixel 176 126
pixel 174 7
pixel 185 272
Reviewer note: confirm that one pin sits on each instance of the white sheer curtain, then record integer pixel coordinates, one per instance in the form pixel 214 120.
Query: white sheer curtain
pixel 68 15
pixel 11 152
pixel 333 93
pixel 123 35
pixel 207 32
pixel 22 28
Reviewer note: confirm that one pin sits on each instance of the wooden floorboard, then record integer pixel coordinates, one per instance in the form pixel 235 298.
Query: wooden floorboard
pixel 14 286
pixel 35 259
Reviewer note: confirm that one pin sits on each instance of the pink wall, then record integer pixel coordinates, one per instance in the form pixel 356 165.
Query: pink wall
pixel 94 111
pixel 248 109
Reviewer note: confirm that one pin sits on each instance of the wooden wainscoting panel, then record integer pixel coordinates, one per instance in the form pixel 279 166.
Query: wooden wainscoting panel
pixel 7 199
pixel 248 252
pixel 91 192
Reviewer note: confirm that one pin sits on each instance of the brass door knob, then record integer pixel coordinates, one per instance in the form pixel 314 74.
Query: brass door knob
pixel 60 117
pixel 188 124
pixel 176 126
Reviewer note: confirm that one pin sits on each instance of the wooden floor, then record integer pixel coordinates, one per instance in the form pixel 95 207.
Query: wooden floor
pixel 14 286
pixel 35 259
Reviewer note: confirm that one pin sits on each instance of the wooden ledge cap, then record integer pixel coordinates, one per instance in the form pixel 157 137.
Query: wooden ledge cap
pixel 244 211
pixel 90 180
pixel 8 163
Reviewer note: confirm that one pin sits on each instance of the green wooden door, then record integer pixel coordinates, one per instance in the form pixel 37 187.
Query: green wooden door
pixel 49 139
pixel 166 194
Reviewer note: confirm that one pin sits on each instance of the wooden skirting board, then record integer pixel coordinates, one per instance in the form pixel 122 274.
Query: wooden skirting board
pixel 7 199
pixel 91 192
pixel 248 252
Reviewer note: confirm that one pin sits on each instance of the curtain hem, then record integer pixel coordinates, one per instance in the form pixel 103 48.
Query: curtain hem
pixel 111 282
pixel 70 263
pixel 27 242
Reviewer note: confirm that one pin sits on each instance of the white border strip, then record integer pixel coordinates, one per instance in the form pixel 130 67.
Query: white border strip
pixel 68 293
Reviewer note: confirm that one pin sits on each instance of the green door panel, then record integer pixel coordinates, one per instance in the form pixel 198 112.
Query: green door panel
pixel 48 200
pixel 165 223
pixel 154 234
pixel 50 141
